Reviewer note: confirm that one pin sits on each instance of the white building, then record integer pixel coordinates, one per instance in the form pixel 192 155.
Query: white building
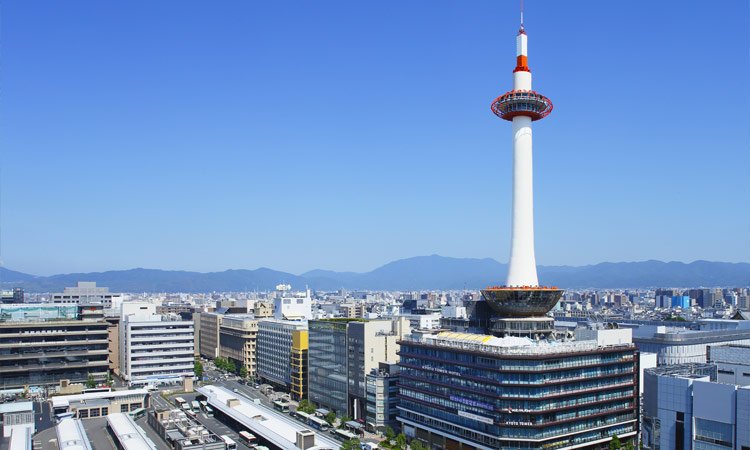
pixel 680 346
pixel 732 362
pixel 154 349
pixel 87 292
pixel 292 305
pixel 424 321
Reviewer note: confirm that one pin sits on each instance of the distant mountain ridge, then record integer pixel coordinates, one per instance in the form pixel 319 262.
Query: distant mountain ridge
pixel 417 273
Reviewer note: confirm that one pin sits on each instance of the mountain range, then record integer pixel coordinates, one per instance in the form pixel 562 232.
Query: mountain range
pixel 417 273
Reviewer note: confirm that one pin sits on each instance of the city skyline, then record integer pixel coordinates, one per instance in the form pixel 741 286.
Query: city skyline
pixel 149 137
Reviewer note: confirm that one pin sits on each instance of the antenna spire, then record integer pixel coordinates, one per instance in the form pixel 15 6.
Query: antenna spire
pixel 521 15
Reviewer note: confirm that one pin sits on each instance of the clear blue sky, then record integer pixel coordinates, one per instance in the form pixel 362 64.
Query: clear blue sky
pixel 343 135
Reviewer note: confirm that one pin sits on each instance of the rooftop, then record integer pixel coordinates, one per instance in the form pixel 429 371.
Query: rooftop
pixel 71 435
pixel 63 401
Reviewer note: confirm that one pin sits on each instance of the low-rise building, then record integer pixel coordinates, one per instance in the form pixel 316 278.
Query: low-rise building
pixel 183 433
pixel 87 292
pixel 16 417
pixel 100 403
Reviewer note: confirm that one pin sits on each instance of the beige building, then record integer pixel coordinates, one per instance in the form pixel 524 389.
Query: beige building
pixel 262 309
pixel 197 328
pixel 352 310
pixel 113 335
pixel 238 335
pixel 209 335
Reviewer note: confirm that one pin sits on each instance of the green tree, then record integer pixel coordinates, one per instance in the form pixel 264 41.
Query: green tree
pixel 416 445
pixel 243 372
pixel 389 434
pixel 629 445
pixel 198 369
pixel 230 367
pixel 351 444
pixel 110 380
pixel 344 420
pixel 330 418
pixel 90 381
pixel 306 407
pixel 615 444
pixel 219 363
pixel 401 441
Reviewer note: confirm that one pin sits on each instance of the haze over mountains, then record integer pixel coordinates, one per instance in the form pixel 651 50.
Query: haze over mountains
pixel 421 272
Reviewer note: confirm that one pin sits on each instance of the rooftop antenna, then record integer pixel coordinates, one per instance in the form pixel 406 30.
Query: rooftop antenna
pixel 521 15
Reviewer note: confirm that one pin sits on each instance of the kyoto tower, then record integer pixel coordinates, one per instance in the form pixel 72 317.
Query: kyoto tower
pixel 522 297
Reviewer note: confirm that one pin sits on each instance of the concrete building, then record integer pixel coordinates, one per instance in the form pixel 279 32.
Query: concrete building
pixel 299 365
pixel 352 310
pixel 685 408
pixel 732 363
pixel 424 321
pixel 154 349
pixel 43 343
pixel 99 404
pixel 382 398
pixel 182 432
pixel 14 295
pixel 238 335
pixel 470 391
pixel 292 305
pixel 342 352
pixel 274 355
pixel 113 334
pixel 87 292
pixel 209 335
pixel 16 417
pixel 681 346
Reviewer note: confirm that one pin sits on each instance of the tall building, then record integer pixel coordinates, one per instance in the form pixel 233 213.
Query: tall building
pixel 209 334
pixel 154 349
pixel 299 365
pixel 342 352
pixel 238 334
pixel 274 355
pixel 87 292
pixel 470 391
pixel 43 343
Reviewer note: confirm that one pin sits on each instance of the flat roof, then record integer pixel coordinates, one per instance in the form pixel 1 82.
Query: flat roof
pixel 71 435
pixel 130 435
pixel 278 429
pixel 63 401
pixel 6 408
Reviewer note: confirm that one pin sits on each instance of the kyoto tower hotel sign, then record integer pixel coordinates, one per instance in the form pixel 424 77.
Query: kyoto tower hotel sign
pixel 522 296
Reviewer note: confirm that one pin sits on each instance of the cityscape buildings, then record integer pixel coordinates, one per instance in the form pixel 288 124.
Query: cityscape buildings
pixel 86 292
pixel 276 345
pixel 154 349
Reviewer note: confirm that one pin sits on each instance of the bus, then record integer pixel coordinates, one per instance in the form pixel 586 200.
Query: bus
pixel 191 413
pixel 229 442
pixel 204 404
pixel 186 406
pixel 281 405
pixel 209 411
pixel 195 406
pixel 247 438
pixel 137 413
pixel 301 416
pixel 179 401
pixel 343 435
pixel 318 423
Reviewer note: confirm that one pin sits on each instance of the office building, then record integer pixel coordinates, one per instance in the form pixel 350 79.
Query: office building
pixel 674 345
pixel 352 310
pixel 154 349
pixel 87 292
pixel 275 350
pixel 342 352
pixel 289 305
pixel 681 301
pixel 299 366
pixel 470 391
pixel 209 334
pixel 238 334
pixel 685 408
pixel 732 363
pixel 14 295
pixel 382 398
pixel 43 343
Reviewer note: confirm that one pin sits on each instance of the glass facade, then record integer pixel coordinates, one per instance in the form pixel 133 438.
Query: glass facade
pixel 550 400
pixel 327 364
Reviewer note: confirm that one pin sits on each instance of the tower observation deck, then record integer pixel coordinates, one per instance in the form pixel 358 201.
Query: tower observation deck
pixel 522 297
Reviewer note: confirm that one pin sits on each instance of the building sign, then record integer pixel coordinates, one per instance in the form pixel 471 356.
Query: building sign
pixel 476 417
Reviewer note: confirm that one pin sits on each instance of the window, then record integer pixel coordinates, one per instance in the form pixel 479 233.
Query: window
pixel 83 413
pixel 124 407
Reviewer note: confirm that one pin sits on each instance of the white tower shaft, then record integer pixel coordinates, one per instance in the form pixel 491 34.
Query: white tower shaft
pixel 522 267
